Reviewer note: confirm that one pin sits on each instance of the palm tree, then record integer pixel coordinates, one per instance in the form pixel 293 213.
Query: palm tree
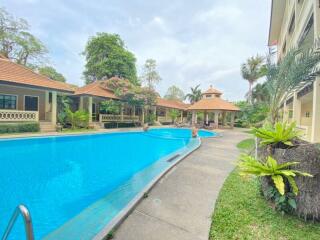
pixel 252 70
pixel 260 93
pixel 296 67
pixel 195 94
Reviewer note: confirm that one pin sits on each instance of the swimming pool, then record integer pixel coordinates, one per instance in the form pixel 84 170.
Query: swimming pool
pixel 76 185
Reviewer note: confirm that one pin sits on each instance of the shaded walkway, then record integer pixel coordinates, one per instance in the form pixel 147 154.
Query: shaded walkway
pixel 181 204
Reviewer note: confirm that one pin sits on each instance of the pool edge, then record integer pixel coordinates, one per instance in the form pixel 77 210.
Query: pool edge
pixel 124 213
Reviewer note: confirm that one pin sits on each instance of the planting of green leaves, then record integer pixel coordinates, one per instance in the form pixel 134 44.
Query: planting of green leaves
pixel 279 133
pixel 279 173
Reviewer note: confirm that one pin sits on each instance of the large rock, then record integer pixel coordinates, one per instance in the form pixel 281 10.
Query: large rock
pixel 308 156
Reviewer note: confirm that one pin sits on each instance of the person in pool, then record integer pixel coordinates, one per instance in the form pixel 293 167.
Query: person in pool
pixel 145 127
pixel 194 132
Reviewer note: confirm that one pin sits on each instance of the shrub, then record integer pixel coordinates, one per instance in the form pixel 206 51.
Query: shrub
pixel 281 133
pixel 279 173
pixel 78 119
pixel 150 118
pixel 19 127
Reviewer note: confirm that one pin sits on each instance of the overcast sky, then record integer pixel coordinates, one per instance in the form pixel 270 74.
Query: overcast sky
pixel 194 42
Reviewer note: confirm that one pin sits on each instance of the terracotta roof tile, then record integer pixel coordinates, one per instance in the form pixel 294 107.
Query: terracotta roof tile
pixel 96 89
pixel 215 103
pixel 171 104
pixel 11 72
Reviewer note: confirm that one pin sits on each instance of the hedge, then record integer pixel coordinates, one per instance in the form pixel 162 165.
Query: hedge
pixel 119 125
pixel 19 127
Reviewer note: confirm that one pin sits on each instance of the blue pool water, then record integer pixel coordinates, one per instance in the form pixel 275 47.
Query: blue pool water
pixel 74 185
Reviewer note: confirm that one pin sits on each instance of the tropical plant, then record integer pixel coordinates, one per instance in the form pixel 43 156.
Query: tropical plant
pixel 110 106
pixel 106 57
pixel 260 93
pixel 252 70
pixel 174 93
pixel 279 173
pixel 78 119
pixel 284 203
pixel 150 75
pixel 51 73
pixel 251 115
pixel 150 118
pixel 63 103
pixel 283 77
pixel 195 94
pixel 279 133
pixel 173 113
pixel 17 43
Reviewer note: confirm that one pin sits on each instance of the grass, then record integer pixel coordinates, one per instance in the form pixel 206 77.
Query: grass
pixel 242 213
pixel 246 145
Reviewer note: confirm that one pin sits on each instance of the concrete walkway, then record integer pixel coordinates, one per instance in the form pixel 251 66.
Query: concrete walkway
pixel 181 204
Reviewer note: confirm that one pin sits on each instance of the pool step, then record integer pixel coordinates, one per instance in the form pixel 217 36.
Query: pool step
pixel 47 127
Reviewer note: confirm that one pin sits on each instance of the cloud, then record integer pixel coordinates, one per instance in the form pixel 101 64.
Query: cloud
pixel 193 43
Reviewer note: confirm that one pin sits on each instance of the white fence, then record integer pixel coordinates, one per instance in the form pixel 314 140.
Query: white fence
pixel 18 116
pixel 117 118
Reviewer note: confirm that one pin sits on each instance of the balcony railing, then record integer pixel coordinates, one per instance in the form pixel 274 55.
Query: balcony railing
pixel 118 118
pixel 18 116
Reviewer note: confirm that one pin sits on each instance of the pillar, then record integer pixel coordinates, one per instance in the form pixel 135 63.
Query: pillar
pixel 216 119
pixel 121 112
pixel 193 117
pixel 54 108
pixel 134 111
pixel 90 109
pixel 232 119
pixel 142 116
pixel 196 118
pixel 296 108
pixel 315 127
pixel 223 118
pixel 47 105
pixel 181 116
pixel 81 103
pixel 207 117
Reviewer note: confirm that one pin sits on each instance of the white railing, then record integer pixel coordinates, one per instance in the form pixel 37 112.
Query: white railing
pixel 117 118
pixel 18 116
pixel 164 119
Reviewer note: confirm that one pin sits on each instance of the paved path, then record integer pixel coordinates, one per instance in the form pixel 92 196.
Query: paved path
pixel 181 204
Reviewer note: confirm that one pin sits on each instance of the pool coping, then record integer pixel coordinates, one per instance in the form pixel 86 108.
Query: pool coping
pixel 126 211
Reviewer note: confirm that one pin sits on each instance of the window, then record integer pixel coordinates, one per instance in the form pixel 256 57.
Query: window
pixel 307 114
pixel 208 95
pixel 8 101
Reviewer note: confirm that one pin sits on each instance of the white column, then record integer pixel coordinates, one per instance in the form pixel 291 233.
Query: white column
pixel 207 118
pixel 196 118
pixel 46 105
pixel 142 116
pixel 216 119
pixel 193 117
pixel 315 128
pixel 81 103
pixel 54 108
pixel 232 119
pixel 296 109
pixel 90 108
pixel 181 116
pixel 285 112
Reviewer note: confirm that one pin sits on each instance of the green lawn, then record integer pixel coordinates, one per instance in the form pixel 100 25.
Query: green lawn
pixel 246 145
pixel 242 213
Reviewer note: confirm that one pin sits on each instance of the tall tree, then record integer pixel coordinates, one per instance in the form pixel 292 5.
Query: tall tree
pixel 260 93
pixel 195 94
pixel 150 74
pixel 106 57
pixel 51 73
pixel 174 93
pixel 252 70
pixel 17 43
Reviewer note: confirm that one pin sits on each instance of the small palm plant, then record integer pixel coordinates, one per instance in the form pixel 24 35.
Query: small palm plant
pixel 248 165
pixel 281 133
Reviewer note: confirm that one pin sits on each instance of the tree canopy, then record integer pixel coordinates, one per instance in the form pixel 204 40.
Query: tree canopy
pixel 174 93
pixel 150 75
pixel 195 94
pixel 17 43
pixel 51 73
pixel 106 57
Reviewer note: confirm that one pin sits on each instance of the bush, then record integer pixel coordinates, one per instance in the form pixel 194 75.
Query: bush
pixel 78 119
pixel 119 125
pixel 251 115
pixel 19 127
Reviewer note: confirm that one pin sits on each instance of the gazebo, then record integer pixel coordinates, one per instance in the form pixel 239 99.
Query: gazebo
pixel 212 104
